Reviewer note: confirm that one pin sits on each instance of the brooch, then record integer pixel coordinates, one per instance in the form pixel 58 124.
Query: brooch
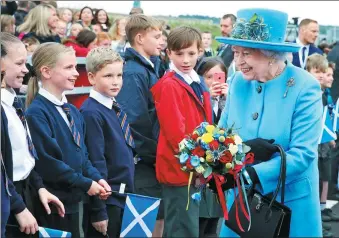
pixel 290 83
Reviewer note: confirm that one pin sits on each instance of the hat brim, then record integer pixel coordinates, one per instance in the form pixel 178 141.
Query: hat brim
pixel 280 47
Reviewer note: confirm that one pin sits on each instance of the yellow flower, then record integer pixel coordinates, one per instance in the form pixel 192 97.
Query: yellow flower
pixel 237 140
pixel 209 158
pixel 233 149
pixel 222 139
pixel 208 152
pixel 228 166
pixel 207 138
pixel 210 128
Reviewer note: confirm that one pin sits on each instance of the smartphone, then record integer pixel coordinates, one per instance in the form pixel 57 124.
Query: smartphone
pixel 219 77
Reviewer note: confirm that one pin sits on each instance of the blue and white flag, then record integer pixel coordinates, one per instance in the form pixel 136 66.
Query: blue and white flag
pixel 327 134
pixel 140 215
pixel 47 232
pixel 336 117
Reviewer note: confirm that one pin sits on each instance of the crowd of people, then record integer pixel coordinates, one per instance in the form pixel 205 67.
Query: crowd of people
pixel 151 86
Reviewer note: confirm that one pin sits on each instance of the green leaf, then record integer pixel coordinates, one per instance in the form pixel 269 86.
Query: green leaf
pixel 207 172
pixel 253 18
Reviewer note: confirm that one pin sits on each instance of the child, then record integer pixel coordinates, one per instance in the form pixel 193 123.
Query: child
pixel 66 15
pixel 208 68
pixel 104 40
pixel 31 44
pixel 108 149
pixel 182 103
pixel 75 29
pixel 207 44
pixel 140 74
pixel 61 28
pixel 317 65
pixel 16 144
pixel 58 134
pixel 7 23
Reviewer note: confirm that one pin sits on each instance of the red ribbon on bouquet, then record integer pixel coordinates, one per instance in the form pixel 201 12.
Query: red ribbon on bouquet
pixel 220 180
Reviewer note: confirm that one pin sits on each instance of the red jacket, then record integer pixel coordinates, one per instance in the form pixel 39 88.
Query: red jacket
pixel 179 112
pixel 80 51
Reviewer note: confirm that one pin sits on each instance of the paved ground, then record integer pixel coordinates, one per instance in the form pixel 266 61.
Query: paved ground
pixel 335 225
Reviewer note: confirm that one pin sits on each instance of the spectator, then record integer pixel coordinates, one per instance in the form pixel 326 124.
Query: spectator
pixel 7 24
pixel 118 34
pixel 66 15
pixel 207 44
pixel 86 17
pixel 23 9
pixel 75 29
pixel 164 60
pixel 226 27
pixel 61 28
pixel 76 16
pixel 104 40
pixel 101 18
pixel 9 8
pixel 41 22
pixel 83 43
pixel 96 28
pixel 31 44
pixel 136 10
pixel 308 34
pixel 324 47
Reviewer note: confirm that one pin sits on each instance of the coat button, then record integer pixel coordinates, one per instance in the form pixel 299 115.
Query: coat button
pixel 255 116
pixel 259 89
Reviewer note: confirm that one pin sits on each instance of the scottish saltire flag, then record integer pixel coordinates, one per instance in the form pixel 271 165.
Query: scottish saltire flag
pixel 139 216
pixel 46 232
pixel 327 134
pixel 336 117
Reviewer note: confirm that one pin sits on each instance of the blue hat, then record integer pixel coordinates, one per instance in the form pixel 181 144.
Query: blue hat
pixel 260 29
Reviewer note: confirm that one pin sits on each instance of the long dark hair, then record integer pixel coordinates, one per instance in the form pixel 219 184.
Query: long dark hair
pixel 96 21
pixel 92 22
pixel 85 37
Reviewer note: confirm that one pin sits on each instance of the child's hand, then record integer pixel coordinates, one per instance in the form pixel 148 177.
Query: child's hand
pixel 332 144
pixel 101 226
pixel 107 188
pixel 96 189
pixel 46 197
pixel 218 89
pixel 27 222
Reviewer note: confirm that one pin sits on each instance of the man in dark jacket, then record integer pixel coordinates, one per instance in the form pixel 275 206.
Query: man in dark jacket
pixel 226 27
pixel 308 34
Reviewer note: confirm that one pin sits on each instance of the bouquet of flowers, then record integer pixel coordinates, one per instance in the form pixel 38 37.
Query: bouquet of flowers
pixel 212 152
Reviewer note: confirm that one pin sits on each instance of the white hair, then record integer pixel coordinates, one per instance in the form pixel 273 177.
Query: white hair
pixel 280 56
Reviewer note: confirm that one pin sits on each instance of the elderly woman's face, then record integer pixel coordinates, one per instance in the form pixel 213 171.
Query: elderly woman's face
pixel 251 62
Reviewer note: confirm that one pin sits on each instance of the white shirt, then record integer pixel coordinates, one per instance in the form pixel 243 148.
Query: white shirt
pixel 50 97
pixel 189 78
pixel 23 161
pixel 149 61
pixel 102 99
pixel 215 103
pixel 303 63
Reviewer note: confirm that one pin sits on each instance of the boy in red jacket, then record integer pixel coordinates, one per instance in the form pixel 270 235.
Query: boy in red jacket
pixel 182 102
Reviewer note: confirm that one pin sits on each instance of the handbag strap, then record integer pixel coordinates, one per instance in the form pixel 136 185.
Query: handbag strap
pixel 282 177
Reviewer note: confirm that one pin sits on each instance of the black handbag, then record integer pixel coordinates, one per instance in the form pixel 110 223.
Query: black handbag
pixel 269 218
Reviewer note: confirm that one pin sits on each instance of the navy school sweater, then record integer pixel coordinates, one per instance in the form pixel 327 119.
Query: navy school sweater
pixel 108 152
pixel 16 202
pixel 63 166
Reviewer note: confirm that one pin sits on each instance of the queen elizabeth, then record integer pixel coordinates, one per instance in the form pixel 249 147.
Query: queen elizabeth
pixel 270 98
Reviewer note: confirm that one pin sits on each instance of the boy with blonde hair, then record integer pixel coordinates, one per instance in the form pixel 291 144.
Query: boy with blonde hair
pixel 140 74
pixel 108 140
pixel 183 102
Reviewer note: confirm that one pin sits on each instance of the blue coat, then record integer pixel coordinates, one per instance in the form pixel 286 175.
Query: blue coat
pixel 294 122
pixel 313 49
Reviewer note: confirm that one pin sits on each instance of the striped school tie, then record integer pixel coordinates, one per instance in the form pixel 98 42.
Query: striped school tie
pixel 122 116
pixel 20 112
pixel 75 132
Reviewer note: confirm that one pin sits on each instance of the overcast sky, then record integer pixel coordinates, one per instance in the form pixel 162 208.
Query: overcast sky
pixel 325 12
